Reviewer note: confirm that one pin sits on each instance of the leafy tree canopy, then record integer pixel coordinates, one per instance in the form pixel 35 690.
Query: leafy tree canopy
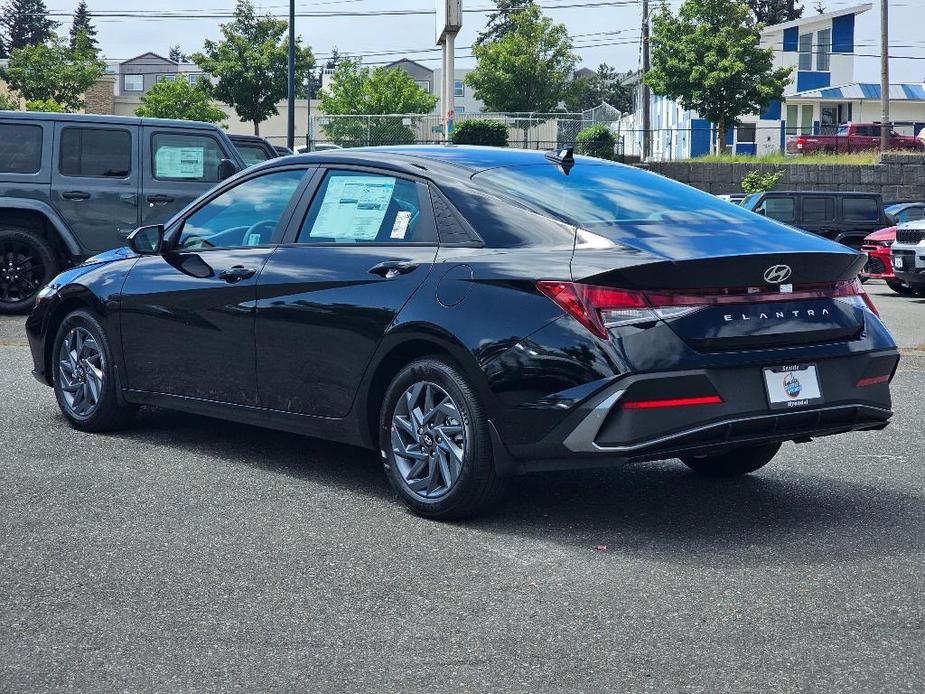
pixel 53 71
pixel 605 86
pixel 250 64
pixel 527 69
pixel 178 99
pixel 83 33
pixel 24 23
pixel 769 12
pixel 707 58
pixel 501 22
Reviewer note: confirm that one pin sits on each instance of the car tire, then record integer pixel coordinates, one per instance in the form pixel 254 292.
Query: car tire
pixel 84 376
pixel 27 263
pixel 448 472
pixel 739 461
pixel 900 288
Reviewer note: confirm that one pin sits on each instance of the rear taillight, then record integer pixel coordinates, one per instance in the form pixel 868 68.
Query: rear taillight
pixel 599 308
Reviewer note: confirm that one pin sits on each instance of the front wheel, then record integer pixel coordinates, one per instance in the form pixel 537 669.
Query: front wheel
pixel 900 288
pixel 739 461
pixel 435 442
pixel 84 376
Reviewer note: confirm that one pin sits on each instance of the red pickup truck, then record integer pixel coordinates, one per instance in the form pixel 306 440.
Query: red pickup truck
pixel 851 137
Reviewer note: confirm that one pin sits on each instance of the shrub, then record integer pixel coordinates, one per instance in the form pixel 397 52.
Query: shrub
pixel 597 141
pixel 46 105
pixel 481 132
pixel 756 182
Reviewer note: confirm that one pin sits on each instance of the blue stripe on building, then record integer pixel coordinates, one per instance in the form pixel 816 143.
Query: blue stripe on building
pixel 745 148
pixel 700 137
pixel 842 34
pixel 832 93
pixel 914 92
pixel 807 80
pixel 772 111
pixel 870 91
pixel 791 40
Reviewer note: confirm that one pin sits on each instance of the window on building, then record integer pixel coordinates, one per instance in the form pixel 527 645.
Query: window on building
pixel 133 83
pixel 197 77
pixel 423 84
pixel 96 153
pixel 166 77
pixel 806 119
pixel 823 49
pixel 793 119
pixel 806 52
pixel 745 132
pixel 459 89
pixel 459 109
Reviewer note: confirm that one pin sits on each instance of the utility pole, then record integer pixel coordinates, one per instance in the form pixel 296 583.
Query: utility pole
pixel 290 125
pixel 884 76
pixel 646 131
pixel 449 22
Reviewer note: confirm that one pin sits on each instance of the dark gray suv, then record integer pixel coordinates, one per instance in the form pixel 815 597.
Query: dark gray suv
pixel 73 185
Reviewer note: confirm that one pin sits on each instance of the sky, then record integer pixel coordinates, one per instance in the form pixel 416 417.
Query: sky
pixel 607 33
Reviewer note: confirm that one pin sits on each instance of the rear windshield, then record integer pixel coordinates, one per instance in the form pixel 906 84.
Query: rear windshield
pixel 609 194
pixel 20 148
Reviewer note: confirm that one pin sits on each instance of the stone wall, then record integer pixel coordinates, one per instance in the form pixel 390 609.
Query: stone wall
pixel 896 176
pixel 100 98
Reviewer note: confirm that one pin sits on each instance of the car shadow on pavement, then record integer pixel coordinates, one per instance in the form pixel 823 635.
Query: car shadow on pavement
pixel 660 511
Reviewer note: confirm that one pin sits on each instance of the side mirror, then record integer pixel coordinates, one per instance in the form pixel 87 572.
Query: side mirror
pixel 226 169
pixel 147 240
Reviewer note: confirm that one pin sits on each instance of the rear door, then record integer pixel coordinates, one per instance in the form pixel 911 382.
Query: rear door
pixel 362 241
pixel 95 181
pixel 179 166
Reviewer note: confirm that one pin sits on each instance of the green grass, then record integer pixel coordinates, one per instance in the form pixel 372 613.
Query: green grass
pixel 778 158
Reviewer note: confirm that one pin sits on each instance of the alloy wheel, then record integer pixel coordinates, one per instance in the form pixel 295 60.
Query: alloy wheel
pixel 428 439
pixel 21 271
pixel 81 372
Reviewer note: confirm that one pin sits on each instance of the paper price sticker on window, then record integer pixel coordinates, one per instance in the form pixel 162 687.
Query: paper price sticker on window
pixel 180 162
pixel 400 225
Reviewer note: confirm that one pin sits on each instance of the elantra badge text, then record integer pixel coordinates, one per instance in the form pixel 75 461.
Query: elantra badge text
pixel 808 313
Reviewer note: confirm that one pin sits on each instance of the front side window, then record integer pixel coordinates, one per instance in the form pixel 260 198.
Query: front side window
pixel 133 83
pixel 823 49
pixel 246 215
pixel 806 52
pixel 96 153
pixel 780 209
pixel 860 210
pixel 252 154
pixel 20 148
pixel 818 209
pixel 358 207
pixel 185 158
pixel 910 214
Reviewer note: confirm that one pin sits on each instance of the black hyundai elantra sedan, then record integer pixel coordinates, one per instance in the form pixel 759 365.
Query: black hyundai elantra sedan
pixel 474 314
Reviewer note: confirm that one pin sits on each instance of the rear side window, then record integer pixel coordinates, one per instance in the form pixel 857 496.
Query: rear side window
pixel 818 209
pixel 185 158
pixel 252 154
pixel 20 148
pixel 96 153
pixel 359 207
pixel 860 210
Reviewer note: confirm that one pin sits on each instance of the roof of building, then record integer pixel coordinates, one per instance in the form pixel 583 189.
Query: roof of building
pixel 807 18
pixel 396 63
pixel 863 91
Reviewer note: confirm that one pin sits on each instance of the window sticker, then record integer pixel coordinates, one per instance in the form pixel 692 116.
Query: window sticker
pixel 180 162
pixel 254 240
pixel 400 226
pixel 353 207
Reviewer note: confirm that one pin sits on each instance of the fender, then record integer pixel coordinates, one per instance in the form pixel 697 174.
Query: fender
pixel 43 208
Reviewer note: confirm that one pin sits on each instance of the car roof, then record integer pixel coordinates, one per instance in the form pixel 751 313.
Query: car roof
pixel 115 120
pixel 247 138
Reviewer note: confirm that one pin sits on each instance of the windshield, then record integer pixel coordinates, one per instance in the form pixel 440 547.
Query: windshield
pixel 600 194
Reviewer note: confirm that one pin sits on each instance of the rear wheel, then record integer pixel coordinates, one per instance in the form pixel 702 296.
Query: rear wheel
pixel 739 461
pixel 84 376
pixel 27 263
pixel 900 288
pixel 436 444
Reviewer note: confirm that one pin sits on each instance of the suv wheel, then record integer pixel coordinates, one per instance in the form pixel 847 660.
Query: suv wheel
pixel 900 288
pixel 84 377
pixel 739 461
pixel 27 263
pixel 436 444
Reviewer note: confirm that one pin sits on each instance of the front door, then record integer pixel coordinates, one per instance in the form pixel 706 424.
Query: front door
pixel 188 314
pixel 327 296
pixel 96 180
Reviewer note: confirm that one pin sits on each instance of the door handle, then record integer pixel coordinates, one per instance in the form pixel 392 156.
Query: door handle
pixel 393 268
pixel 159 199
pixel 75 195
pixel 236 274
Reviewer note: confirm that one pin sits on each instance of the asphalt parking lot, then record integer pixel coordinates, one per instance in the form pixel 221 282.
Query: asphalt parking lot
pixel 190 554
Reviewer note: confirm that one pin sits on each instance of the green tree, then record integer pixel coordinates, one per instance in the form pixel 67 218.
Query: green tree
pixel 180 100
pixel 53 71
pixel 501 22
pixel 527 69
pixel 83 33
pixel 356 90
pixel 250 63
pixel 604 86
pixel 24 23
pixel 708 59
pixel 769 12
pixel 176 55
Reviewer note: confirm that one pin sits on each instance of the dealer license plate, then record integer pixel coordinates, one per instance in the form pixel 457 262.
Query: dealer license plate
pixel 792 386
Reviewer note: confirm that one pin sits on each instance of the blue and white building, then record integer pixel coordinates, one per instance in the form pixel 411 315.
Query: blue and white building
pixel 823 93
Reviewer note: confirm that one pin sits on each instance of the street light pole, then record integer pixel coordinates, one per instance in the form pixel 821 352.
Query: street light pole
pixel 646 131
pixel 290 125
pixel 884 76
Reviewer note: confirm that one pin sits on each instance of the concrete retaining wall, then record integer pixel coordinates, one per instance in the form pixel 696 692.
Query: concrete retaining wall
pixel 896 177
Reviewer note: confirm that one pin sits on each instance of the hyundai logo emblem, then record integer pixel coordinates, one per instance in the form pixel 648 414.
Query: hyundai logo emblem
pixel 777 274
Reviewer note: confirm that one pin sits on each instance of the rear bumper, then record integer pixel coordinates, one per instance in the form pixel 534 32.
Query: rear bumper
pixel 601 432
